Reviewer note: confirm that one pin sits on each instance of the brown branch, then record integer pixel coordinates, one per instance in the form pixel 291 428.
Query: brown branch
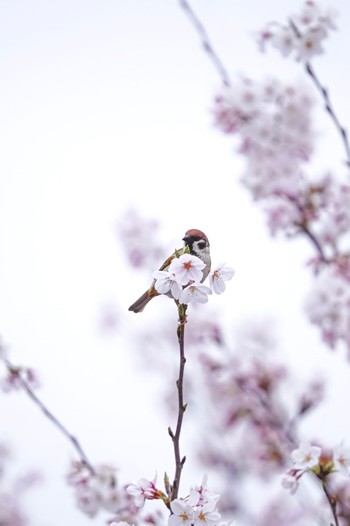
pixel 30 393
pixel 326 99
pixel 314 241
pixel 179 462
pixel 329 108
pixel 332 499
pixel 208 48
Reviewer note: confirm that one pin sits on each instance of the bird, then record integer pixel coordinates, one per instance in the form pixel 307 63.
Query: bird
pixel 198 245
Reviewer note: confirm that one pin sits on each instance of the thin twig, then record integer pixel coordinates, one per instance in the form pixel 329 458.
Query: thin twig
pixel 332 502
pixel 179 462
pixel 204 37
pixel 74 441
pixel 326 98
pixel 329 108
pixel 315 242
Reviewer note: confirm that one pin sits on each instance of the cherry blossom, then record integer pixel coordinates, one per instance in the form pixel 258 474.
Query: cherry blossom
pixel 341 459
pixel 182 513
pixel 218 277
pixel 302 35
pixel 327 306
pixel 195 292
pixel 206 514
pixel 12 491
pixel 200 508
pixel 306 456
pixel 167 282
pixel 139 238
pixel 290 481
pixel 187 268
pixel 96 490
pixel 200 495
pixel 16 376
pixel 275 134
pixel 144 490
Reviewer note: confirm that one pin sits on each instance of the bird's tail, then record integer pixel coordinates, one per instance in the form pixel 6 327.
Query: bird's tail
pixel 141 303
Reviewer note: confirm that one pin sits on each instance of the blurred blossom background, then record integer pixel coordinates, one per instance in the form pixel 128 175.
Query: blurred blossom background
pixel 109 154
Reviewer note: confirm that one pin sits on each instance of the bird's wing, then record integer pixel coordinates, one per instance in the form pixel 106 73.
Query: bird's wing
pixel 170 258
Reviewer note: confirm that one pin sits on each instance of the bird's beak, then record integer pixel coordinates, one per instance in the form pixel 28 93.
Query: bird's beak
pixel 186 238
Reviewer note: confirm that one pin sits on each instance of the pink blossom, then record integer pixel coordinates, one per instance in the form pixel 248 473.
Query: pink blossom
pixel 218 277
pixel 16 376
pixel 138 236
pixel 306 456
pixel 167 282
pixel 187 268
pixel 182 513
pixel 144 490
pixel 96 490
pixel 206 514
pixel 328 306
pixel 341 459
pixel 195 292
pixel 290 481
pixel 303 36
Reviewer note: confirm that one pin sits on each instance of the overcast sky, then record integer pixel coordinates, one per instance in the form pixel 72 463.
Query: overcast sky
pixel 106 105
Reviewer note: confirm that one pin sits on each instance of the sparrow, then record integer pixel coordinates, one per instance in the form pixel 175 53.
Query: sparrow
pixel 198 245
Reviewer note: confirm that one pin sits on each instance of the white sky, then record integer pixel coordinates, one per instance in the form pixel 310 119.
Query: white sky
pixel 105 105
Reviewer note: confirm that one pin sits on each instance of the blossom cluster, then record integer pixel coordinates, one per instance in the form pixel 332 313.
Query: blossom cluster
pixel 99 490
pixel 273 126
pixel 200 507
pixel 311 458
pixel 138 235
pixel 145 489
pixel 17 376
pixel 303 35
pixel 183 279
pixel 273 123
pixel 12 491
pixel 328 306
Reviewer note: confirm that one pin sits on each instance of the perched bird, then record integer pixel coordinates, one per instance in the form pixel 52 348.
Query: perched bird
pixel 198 245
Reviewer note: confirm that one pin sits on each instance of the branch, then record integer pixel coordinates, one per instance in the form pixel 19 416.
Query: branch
pixel 327 101
pixel 329 108
pixel 314 241
pixel 28 390
pixel 179 462
pixel 332 499
pixel 208 48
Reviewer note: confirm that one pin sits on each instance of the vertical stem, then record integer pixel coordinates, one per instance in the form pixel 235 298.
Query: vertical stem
pixel 332 499
pixel 179 462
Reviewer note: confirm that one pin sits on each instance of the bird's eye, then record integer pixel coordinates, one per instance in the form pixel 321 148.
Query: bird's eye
pixel 201 244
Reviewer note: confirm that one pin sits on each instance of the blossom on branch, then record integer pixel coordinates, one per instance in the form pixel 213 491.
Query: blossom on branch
pixel 145 490
pixel 187 268
pixel 166 282
pixel 97 490
pixel 341 459
pixel 328 306
pixel 306 456
pixel 195 292
pixel 183 279
pixel 199 509
pixel 18 376
pixel 182 513
pixel 302 35
pixel 218 277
